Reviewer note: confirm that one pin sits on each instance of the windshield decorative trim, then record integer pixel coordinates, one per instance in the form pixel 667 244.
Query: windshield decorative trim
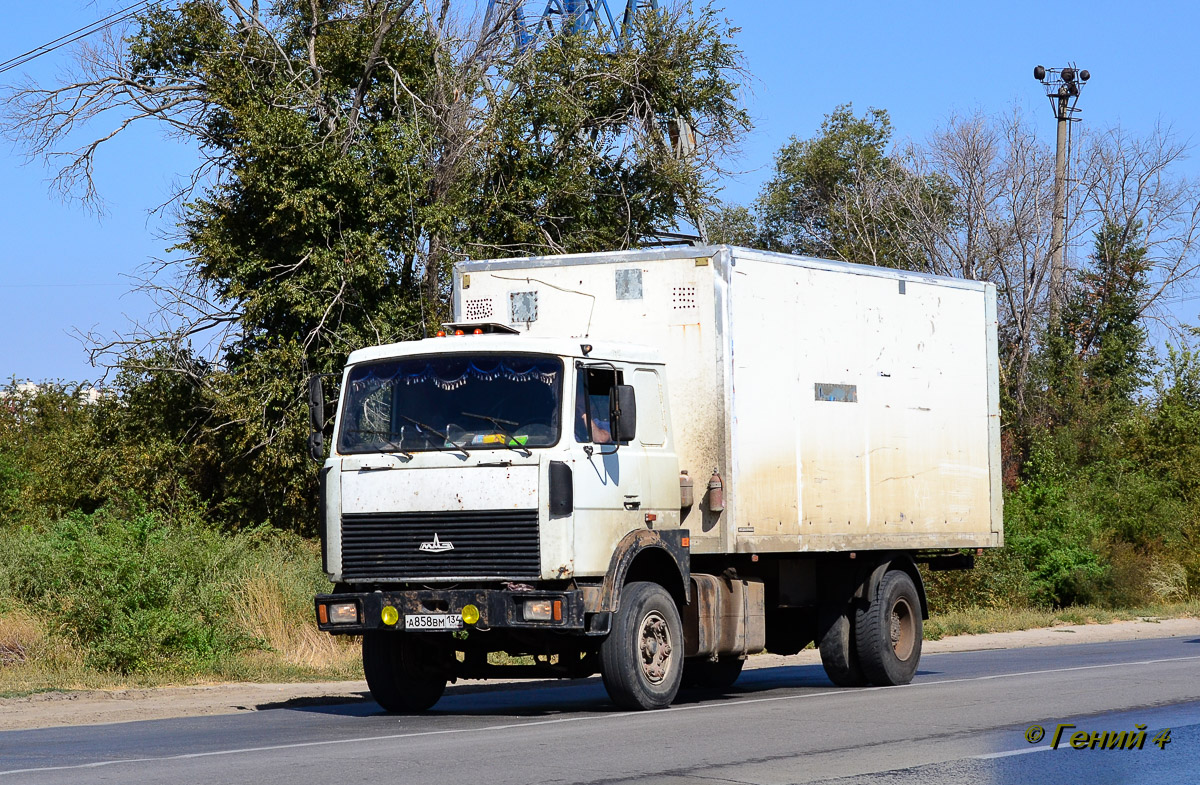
pixel 500 371
pixel 450 373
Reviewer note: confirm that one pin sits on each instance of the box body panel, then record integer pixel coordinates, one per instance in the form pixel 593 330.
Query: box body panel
pixel 845 407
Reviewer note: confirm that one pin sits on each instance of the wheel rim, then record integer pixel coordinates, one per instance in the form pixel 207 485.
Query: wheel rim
pixel 655 646
pixel 902 626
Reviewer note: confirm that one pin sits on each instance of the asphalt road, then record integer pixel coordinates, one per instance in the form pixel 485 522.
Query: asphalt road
pixel 964 719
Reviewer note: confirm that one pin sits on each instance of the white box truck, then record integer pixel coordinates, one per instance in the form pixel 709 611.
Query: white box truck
pixel 651 464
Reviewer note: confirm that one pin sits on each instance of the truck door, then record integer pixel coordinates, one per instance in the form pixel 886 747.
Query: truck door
pixel 660 488
pixel 609 478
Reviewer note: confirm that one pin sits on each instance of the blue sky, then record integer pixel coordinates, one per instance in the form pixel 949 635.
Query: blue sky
pixel 64 270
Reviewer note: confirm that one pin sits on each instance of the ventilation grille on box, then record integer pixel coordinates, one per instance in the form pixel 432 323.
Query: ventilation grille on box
pixel 478 310
pixel 684 297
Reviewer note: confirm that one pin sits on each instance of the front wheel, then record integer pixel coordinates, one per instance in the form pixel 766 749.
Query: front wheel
pixel 888 631
pixel 641 660
pixel 402 671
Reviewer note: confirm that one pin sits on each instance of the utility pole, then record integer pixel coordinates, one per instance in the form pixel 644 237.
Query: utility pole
pixel 1062 88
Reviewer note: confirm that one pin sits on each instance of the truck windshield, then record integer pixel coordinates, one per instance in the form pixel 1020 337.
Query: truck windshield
pixel 452 402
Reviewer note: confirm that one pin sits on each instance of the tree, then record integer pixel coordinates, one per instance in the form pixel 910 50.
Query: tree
pixel 1103 320
pixel 835 195
pixel 1129 186
pixel 810 173
pixel 1094 360
pixel 350 152
pixel 732 224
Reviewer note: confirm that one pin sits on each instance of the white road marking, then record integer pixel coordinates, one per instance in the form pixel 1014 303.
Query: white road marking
pixel 593 717
pixel 1010 753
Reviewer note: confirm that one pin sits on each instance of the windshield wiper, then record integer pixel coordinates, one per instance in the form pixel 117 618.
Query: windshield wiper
pixel 425 427
pixel 508 437
pixel 391 439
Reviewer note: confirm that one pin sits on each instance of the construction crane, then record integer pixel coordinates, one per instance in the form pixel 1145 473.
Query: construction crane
pixel 571 16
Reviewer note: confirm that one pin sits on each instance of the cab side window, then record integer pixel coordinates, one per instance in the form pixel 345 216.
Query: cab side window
pixel 592 386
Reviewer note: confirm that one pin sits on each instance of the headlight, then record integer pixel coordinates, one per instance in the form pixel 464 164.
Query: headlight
pixel 343 613
pixel 539 610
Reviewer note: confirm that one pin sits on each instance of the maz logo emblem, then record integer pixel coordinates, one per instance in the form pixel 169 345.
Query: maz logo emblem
pixel 437 546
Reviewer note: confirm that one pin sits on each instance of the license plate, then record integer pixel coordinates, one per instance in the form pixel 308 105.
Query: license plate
pixel 433 621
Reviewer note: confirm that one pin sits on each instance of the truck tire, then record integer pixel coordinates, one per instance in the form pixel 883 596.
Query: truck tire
pixel 641 660
pixel 835 627
pixel 401 672
pixel 717 675
pixel 888 631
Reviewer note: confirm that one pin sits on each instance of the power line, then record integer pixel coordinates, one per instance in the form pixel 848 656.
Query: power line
pixel 74 35
pixel 53 285
pixel 83 32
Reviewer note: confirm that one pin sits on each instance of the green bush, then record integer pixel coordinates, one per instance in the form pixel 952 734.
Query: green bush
pixel 49 451
pixel 999 580
pixel 134 592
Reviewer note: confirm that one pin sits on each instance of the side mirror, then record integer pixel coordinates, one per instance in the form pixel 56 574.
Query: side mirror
pixel 316 419
pixel 622 413
pixel 316 403
pixel 316 446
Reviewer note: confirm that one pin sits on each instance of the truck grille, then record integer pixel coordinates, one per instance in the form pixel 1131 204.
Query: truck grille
pixel 499 544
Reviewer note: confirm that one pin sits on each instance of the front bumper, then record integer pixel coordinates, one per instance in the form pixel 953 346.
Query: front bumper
pixel 497 609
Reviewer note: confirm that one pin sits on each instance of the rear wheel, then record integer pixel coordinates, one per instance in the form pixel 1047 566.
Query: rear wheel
pixel 402 671
pixel 716 675
pixel 888 631
pixel 836 640
pixel 641 660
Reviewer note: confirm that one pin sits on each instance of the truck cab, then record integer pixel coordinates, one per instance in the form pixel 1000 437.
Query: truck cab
pixel 518 465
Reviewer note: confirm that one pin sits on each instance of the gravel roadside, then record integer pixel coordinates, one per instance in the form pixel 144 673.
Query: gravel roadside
pixel 54 709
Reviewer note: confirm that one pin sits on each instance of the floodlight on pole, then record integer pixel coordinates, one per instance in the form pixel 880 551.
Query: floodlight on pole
pixel 1062 88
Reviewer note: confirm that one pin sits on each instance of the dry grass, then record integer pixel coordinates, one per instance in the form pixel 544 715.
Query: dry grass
pixel 1168 581
pixel 20 635
pixel 33 660
pixel 974 621
pixel 267 612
